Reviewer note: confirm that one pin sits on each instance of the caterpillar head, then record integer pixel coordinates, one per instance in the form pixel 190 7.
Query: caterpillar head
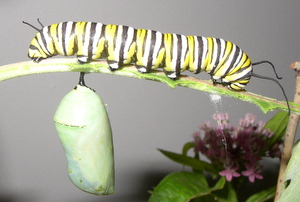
pixel 37 49
pixel 36 52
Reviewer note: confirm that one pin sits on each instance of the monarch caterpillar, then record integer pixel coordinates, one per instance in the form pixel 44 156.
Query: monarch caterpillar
pixel 84 130
pixel 122 45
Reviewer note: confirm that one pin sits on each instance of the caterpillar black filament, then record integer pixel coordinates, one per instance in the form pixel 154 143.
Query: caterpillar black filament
pixel 122 45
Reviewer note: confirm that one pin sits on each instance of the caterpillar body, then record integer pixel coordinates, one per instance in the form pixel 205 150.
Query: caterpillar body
pixel 84 130
pixel 122 45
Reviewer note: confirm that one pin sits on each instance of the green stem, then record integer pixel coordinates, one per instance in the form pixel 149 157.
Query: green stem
pixel 70 65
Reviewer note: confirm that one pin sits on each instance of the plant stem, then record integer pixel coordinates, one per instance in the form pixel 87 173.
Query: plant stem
pixel 70 65
pixel 290 133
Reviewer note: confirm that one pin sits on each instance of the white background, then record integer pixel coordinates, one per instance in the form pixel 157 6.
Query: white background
pixel 145 115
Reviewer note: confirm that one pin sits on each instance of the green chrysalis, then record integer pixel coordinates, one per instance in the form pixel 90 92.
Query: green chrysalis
pixel 84 130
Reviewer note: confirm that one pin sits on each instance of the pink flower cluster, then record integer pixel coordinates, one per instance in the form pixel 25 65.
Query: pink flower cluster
pixel 235 151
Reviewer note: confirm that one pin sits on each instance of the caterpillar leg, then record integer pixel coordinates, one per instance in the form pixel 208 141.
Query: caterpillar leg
pixel 172 75
pixel 143 69
pixel 113 65
pixel 234 85
pixel 227 84
pixel 82 59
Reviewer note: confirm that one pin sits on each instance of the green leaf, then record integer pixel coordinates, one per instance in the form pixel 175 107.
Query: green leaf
pixel 219 193
pixel 187 147
pixel 220 184
pixel 263 195
pixel 189 161
pixel 226 194
pixel 179 187
pixel 290 186
pixel 183 186
pixel 277 125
